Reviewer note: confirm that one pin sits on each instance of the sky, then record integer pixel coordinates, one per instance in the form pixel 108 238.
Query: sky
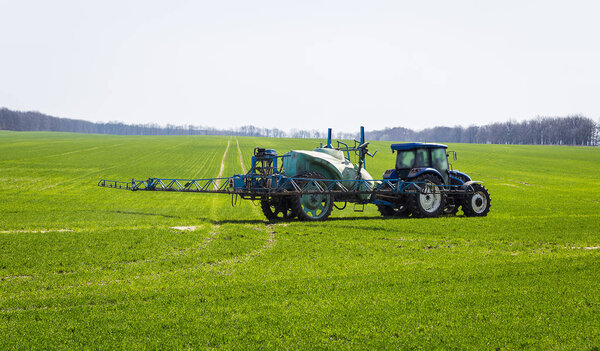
pixel 301 64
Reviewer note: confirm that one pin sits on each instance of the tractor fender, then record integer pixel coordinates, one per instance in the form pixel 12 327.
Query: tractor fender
pixel 458 173
pixel 415 172
pixel 470 182
pixel 456 180
pixel 390 174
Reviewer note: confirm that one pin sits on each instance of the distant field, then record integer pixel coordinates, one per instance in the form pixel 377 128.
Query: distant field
pixel 87 267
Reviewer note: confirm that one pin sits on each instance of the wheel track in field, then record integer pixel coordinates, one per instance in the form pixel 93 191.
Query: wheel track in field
pixel 215 227
pixel 247 257
pixel 222 165
pixel 240 154
pixel 76 151
pixel 200 168
pixel 220 267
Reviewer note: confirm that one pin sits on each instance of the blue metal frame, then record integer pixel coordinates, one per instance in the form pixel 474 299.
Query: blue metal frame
pixel 273 185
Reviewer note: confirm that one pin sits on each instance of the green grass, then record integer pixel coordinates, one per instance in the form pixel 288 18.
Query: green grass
pixel 87 267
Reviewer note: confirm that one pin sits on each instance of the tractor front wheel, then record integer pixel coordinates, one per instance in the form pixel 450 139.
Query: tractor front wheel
pixel 429 201
pixel 312 207
pixel 478 203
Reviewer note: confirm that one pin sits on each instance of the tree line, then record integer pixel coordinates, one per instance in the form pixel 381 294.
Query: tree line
pixel 36 121
pixel 571 130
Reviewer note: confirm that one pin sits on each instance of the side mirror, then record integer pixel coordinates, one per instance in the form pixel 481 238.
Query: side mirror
pixel 453 153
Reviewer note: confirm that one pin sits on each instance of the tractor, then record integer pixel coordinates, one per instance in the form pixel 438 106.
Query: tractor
pixel 444 188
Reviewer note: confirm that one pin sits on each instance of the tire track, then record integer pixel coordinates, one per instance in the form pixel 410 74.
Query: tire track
pixel 75 151
pixel 207 160
pixel 240 153
pixel 249 256
pixel 222 165
pixel 215 227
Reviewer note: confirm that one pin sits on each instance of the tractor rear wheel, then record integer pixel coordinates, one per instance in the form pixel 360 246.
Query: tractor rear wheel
pixel 478 203
pixel 277 208
pixel 430 200
pixel 312 207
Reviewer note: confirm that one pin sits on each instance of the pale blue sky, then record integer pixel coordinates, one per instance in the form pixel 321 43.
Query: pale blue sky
pixel 301 64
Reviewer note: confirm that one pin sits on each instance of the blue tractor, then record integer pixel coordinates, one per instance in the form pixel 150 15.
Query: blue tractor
pixel 442 188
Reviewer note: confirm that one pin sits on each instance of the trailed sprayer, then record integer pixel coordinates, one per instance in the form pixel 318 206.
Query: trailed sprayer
pixel 309 184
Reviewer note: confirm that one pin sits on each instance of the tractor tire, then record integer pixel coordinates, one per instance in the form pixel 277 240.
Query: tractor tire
pixel 311 207
pixel 388 211
pixel 430 201
pixel 477 204
pixel 277 208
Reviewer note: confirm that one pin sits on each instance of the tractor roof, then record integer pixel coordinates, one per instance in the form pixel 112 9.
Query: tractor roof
pixel 412 146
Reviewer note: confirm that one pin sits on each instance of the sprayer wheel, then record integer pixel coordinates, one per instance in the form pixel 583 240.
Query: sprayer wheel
pixel 311 207
pixel 277 208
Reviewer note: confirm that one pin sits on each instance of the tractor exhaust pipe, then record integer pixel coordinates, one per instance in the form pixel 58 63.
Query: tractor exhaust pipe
pixel 362 135
pixel 329 146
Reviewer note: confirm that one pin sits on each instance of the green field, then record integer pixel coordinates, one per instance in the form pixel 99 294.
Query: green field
pixel 89 267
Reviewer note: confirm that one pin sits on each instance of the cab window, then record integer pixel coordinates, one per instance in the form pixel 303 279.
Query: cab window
pixel 422 158
pixel 405 159
pixel 440 161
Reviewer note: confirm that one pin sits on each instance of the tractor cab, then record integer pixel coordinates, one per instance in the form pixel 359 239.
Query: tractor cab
pixel 414 159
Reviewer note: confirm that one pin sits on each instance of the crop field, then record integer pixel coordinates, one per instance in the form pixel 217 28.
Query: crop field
pixel 89 267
